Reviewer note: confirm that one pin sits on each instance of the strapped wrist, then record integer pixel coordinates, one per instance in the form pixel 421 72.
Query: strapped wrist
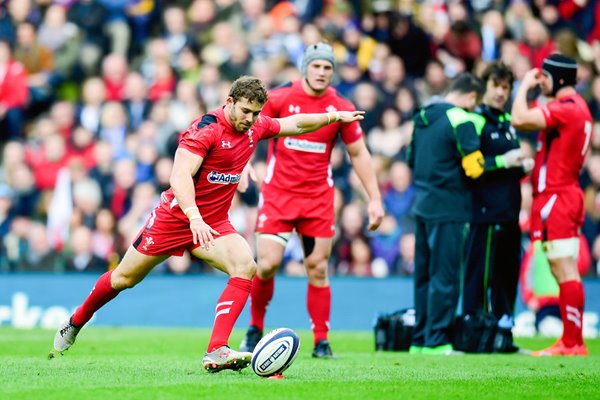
pixel 500 161
pixel 194 211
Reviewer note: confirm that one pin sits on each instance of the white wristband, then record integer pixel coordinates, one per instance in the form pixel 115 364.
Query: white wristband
pixel 190 208
pixel 193 217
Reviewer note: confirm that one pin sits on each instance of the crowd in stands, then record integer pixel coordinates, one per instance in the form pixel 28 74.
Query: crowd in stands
pixel 93 95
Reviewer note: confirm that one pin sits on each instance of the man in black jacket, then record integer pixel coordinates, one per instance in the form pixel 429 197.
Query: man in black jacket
pixel 444 155
pixel 494 244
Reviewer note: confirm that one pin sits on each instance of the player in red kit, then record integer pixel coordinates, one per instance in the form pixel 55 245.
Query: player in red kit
pixel 192 214
pixel 297 193
pixel 557 208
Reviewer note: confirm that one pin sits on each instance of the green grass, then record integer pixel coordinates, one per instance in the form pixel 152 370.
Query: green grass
pixel 126 363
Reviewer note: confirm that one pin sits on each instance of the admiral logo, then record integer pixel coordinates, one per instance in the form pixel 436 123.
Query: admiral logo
pixel 276 354
pixel 223 179
pixel 305 145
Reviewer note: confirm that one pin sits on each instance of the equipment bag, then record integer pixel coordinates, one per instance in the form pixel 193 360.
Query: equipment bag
pixel 393 332
pixel 474 333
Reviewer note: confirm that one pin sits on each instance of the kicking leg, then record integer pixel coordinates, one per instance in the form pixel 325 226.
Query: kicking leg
pixel 130 271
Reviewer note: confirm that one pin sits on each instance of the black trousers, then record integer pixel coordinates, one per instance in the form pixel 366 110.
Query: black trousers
pixel 492 269
pixel 438 254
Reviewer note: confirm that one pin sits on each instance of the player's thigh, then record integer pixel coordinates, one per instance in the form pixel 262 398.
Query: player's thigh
pixel 230 254
pixel 270 248
pixel 316 249
pixel 557 215
pixel 133 268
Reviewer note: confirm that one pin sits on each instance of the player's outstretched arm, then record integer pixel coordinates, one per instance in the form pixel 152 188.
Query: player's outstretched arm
pixel 185 166
pixel 523 117
pixel 303 123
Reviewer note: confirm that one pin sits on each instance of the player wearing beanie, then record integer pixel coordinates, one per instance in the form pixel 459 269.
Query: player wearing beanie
pixel 297 194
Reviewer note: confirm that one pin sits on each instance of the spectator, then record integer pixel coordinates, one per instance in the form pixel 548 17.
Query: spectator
pixel 410 43
pixel 13 94
pixel 399 197
pixel 114 73
pixel 6 214
pixel 39 257
pixel 176 32
pixel 61 37
pixel 26 195
pixel 89 111
pixel 104 236
pixel 81 257
pixel 537 43
pixel 90 17
pixel 39 64
pixel 384 245
pixel 388 138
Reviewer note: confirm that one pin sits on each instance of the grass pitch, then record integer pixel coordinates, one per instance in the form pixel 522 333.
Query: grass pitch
pixel 126 363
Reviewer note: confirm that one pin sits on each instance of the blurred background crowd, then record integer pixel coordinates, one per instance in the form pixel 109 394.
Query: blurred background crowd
pixel 93 95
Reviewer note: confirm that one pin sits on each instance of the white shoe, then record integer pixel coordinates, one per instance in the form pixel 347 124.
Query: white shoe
pixel 226 358
pixel 65 336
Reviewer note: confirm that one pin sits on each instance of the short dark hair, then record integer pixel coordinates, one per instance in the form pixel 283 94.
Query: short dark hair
pixel 499 72
pixel 467 83
pixel 250 88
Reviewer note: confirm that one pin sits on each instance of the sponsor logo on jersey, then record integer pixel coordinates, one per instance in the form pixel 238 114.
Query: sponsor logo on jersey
pixel 294 109
pixel 223 179
pixel 305 145
pixel 331 108
pixel 225 144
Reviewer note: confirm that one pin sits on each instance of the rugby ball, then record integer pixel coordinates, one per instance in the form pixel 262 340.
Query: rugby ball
pixel 275 352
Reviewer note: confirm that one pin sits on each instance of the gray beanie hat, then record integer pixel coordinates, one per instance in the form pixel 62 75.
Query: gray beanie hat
pixel 318 51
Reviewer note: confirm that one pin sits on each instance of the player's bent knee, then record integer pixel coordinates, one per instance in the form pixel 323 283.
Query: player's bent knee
pixel 267 266
pixel 244 270
pixel 561 248
pixel 317 267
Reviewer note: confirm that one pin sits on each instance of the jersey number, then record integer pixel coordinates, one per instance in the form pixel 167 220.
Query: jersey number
pixel 588 134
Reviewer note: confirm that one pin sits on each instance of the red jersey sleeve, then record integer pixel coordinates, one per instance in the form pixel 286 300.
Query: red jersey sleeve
pixel 198 140
pixel 554 114
pixel 267 127
pixel 351 132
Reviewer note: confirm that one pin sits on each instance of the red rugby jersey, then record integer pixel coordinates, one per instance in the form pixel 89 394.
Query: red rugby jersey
pixel 225 152
pixel 562 146
pixel 301 164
